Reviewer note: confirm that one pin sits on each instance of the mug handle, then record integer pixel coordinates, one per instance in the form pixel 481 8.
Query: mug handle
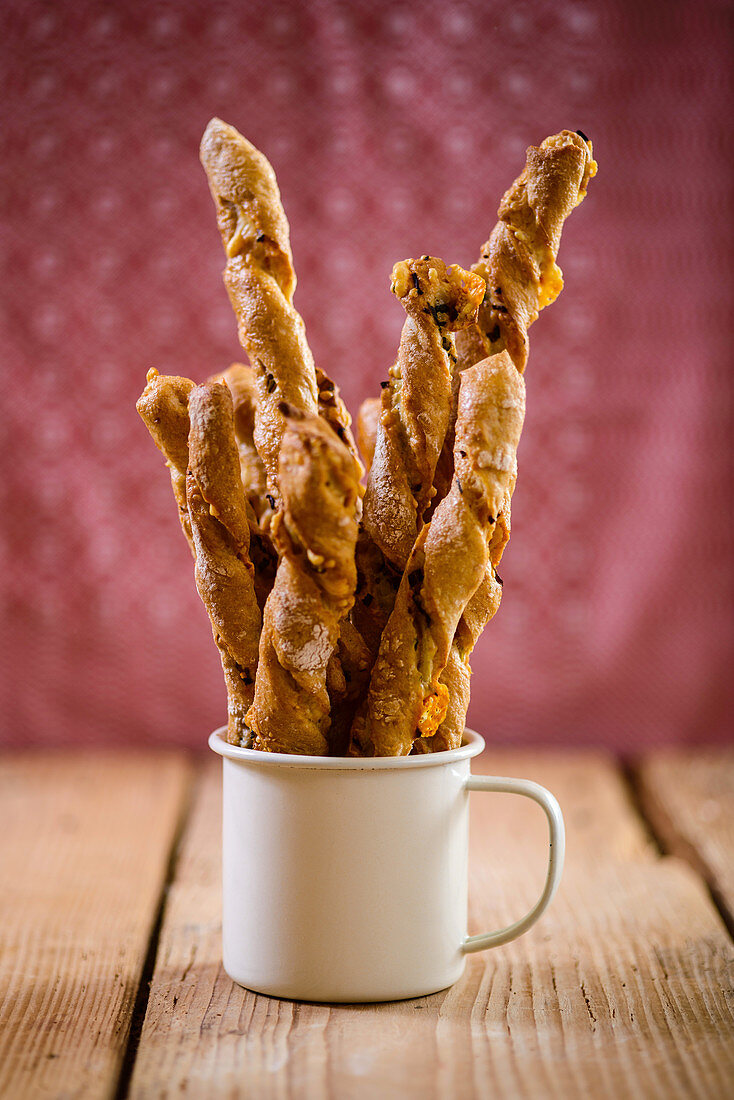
pixel 556 852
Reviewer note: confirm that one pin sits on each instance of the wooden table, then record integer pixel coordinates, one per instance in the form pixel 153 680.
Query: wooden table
pixel 111 982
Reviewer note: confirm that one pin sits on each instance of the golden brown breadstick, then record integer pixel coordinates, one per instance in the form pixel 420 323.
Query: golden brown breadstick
pixel 240 379
pixel 221 534
pixel 260 279
pixel 315 534
pixel 518 263
pixel 368 419
pixel 164 409
pixel 241 382
pixel 482 607
pixel 449 559
pixel 438 301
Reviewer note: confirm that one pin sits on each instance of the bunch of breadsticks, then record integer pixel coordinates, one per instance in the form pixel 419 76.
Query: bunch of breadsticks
pixel 345 614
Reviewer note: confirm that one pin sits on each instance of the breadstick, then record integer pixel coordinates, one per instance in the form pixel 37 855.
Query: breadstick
pixel 221 534
pixel 414 417
pixel 368 419
pixel 438 301
pixel 518 263
pixel 260 280
pixel 240 379
pixel 315 533
pixel 241 382
pixel 447 564
pixel 164 409
pixel 456 676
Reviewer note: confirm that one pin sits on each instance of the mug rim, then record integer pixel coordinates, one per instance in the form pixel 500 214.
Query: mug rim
pixel 472 744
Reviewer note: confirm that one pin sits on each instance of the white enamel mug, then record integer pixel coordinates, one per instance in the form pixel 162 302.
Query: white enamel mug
pixel 345 880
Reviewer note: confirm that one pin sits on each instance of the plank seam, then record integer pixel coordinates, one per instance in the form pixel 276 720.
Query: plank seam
pixel 660 825
pixel 140 1008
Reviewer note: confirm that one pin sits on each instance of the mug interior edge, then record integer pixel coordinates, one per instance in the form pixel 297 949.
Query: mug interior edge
pixel 467 750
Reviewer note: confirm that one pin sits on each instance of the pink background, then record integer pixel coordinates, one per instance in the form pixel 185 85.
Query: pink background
pixel 393 127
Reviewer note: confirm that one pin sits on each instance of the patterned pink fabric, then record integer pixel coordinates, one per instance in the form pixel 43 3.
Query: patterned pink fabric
pixel 394 128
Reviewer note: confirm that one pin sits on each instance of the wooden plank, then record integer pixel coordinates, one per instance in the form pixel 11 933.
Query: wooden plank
pixel 689 798
pixel 620 991
pixel 86 840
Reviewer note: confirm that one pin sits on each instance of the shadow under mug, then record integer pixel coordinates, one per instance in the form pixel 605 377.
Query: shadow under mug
pixel 345 880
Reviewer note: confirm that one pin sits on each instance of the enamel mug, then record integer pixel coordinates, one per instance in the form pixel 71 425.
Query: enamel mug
pixel 345 880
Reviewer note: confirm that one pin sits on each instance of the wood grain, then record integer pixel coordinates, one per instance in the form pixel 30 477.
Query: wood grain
pixel 689 798
pixel 622 990
pixel 86 840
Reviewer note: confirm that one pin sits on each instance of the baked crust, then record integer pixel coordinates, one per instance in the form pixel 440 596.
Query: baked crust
pixel 414 416
pixel 438 301
pixel 518 263
pixel 260 280
pixel 220 527
pixel 448 562
pixel 163 407
pixel 315 534
pixel 240 379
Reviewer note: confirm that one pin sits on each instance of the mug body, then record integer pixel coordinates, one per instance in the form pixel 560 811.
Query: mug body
pixel 344 880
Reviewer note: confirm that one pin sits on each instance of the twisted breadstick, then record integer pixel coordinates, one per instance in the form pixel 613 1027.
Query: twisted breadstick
pixel 260 280
pixel 164 409
pixel 240 379
pixel 438 301
pixel 446 566
pixel 314 587
pixel 482 607
pixel 518 263
pixel 221 534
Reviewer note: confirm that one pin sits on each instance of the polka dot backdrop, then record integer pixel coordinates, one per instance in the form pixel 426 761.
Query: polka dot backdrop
pixel 394 129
